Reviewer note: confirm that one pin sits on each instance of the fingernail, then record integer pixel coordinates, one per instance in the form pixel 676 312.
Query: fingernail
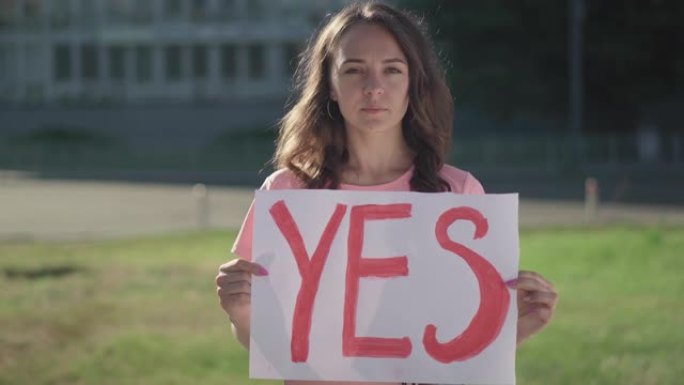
pixel 262 271
pixel 512 282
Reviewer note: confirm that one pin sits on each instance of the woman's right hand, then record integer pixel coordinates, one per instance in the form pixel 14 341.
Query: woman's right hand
pixel 234 288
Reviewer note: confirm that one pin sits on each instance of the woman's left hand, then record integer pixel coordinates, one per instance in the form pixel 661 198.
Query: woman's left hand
pixel 537 301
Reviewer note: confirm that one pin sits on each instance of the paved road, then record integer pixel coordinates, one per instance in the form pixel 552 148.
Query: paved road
pixel 59 210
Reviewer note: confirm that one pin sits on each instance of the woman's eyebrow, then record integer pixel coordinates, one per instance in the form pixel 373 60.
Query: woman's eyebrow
pixel 390 60
pixel 395 60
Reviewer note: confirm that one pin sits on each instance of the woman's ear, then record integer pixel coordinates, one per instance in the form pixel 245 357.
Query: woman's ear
pixel 333 96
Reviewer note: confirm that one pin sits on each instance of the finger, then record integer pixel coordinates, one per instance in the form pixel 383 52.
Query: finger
pixel 228 294
pixel 542 298
pixel 536 276
pixel 522 274
pixel 225 278
pixel 237 287
pixel 224 282
pixel 228 301
pixel 243 265
pixel 532 283
pixel 542 312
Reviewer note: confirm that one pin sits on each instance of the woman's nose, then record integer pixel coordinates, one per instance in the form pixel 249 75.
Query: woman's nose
pixel 373 86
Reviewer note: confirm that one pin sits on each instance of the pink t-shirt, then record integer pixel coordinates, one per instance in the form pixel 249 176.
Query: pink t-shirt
pixel 461 182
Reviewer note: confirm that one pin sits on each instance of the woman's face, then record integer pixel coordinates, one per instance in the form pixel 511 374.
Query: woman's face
pixel 369 79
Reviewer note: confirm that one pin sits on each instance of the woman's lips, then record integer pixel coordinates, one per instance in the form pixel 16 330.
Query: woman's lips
pixel 373 110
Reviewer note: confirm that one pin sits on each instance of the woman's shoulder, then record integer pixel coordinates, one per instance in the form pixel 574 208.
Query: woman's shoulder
pixel 282 179
pixel 461 181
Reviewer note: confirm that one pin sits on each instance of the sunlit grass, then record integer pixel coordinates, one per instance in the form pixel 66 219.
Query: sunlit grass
pixel 144 311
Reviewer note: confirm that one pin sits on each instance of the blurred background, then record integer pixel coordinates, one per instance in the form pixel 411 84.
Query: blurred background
pixel 191 90
pixel 132 135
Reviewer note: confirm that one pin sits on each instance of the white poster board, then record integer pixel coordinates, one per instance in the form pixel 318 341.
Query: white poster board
pixel 384 286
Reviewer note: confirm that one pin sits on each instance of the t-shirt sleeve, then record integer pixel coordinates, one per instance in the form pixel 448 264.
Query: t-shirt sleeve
pixel 243 243
pixel 472 186
pixel 461 181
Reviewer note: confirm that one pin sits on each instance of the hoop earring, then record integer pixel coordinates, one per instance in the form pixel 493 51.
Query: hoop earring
pixel 327 108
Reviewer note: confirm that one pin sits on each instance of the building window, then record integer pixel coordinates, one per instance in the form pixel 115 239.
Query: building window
pixel 32 13
pixel 227 9
pixel 256 55
pixel 200 10
pixel 117 63
pixel 7 17
pixel 255 10
pixel 60 14
pixel 116 11
pixel 173 9
pixel 143 63
pixel 5 56
pixel 89 62
pixel 62 62
pixel 228 61
pixel 174 67
pixel 142 12
pixel 3 63
pixel 88 14
pixel 33 61
pixel 200 63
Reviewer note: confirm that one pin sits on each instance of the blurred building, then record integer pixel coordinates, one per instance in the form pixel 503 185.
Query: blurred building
pixel 136 51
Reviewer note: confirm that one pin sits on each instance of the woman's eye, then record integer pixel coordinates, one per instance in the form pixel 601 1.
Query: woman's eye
pixel 393 70
pixel 352 71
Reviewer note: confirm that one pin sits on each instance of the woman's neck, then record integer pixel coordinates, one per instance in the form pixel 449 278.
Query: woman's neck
pixel 376 160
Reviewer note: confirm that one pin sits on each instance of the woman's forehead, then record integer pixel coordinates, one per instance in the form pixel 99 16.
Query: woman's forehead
pixel 368 42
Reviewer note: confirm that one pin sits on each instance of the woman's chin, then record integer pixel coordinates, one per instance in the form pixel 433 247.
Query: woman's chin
pixel 376 126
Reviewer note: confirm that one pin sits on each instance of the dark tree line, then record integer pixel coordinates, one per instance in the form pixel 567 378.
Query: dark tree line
pixel 511 57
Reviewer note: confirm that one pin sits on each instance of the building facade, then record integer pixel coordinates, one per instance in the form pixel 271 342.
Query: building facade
pixel 138 51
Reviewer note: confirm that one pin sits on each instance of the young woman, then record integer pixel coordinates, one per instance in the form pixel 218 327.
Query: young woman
pixel 373 113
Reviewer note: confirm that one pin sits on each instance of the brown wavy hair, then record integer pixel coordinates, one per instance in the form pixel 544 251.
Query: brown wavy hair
pixel 312 139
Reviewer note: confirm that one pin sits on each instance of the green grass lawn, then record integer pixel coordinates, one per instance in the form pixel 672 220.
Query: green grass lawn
pixel 144 311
